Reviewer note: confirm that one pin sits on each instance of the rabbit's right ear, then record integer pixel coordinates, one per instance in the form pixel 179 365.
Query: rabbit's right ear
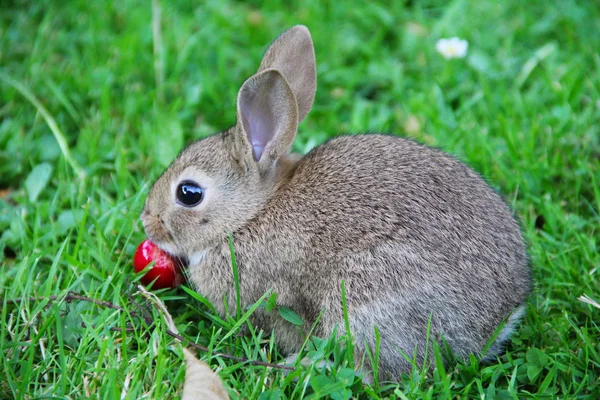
pixel 293 54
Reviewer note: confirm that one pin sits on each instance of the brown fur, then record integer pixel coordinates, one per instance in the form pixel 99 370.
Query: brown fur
pixel 413 232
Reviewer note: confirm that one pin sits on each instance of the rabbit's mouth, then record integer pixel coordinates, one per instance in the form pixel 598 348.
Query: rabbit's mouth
pixel 167 244
pixel 181 260
pixel 162 239
pixel 160 235
pixel 173 251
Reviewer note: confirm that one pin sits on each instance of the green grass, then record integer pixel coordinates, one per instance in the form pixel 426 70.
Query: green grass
pixel 523 109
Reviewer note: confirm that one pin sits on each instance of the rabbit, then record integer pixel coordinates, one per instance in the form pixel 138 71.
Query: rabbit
pixel 423 244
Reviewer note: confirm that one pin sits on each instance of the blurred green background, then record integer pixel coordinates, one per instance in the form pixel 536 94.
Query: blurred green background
pixel 127 84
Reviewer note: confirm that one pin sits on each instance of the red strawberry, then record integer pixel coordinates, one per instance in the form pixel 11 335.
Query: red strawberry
pixel 166 269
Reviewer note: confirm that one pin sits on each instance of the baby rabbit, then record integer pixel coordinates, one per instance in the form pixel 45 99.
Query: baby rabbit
pixel 418 237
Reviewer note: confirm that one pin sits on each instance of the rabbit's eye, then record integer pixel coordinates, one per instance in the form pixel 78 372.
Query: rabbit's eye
pixel 189 194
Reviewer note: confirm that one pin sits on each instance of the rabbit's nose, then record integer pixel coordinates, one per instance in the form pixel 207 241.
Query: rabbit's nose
pixel 149 221
pixel 145 211
pixel 145 221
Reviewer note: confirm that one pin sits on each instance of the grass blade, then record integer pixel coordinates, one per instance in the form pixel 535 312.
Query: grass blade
pixel 56 131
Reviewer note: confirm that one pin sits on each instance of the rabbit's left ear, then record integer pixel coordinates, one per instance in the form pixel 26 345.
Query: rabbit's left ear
pixel 267 119
pixel 293 54
pixel 272 102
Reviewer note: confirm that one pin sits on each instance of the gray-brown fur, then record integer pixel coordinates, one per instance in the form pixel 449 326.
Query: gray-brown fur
pixel 413 232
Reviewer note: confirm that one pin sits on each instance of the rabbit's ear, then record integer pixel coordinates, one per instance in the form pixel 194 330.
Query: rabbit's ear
pixel 267 118
pixel 293 54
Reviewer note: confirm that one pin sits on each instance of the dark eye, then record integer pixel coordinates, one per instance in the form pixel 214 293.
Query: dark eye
pixel 189 194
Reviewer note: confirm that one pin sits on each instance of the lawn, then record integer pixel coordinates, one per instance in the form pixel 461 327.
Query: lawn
pixel 97 98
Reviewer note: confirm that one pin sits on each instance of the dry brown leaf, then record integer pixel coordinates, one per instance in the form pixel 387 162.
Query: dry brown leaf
pixel 200 381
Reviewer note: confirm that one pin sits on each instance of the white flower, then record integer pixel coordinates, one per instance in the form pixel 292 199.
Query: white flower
pixel 452 48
